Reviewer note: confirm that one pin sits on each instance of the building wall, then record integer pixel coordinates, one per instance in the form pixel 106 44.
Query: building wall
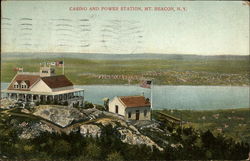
pixel 112 106
pixel 62 89
pixel 41 87
pixel 141 113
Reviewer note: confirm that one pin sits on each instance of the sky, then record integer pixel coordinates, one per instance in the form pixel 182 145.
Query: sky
pixel 172 27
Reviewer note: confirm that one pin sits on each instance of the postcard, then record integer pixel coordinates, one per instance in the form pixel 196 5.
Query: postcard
pixel 124 80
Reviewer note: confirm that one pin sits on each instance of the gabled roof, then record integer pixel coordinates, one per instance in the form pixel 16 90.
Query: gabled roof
pixel 27 82
pixel 57 81
pixel 134 101
pixel 24 77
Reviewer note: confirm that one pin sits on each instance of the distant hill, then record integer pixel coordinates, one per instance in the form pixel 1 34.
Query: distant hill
pixel 99 56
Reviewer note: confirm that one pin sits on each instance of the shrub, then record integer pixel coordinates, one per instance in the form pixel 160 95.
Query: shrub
pixel 114 156
pixel 88 105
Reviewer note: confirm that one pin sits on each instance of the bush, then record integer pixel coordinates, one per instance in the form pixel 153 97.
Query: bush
pixel 37 103
pixel 114 156
pixel 65 103
pixel 88 105
pixel 99 107
pixel 92 151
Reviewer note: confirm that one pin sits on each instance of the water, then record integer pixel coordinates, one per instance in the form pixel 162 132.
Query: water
pixel 174 97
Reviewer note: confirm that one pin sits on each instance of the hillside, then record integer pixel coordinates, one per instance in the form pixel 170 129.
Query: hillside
pixel 55 132
pixel 170 71
pixel 231 122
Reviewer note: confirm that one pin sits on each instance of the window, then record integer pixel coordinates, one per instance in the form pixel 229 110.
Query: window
pixel 145 113
pixel 116 109
pixel 129 114
pixel 16 85
pixel 45 71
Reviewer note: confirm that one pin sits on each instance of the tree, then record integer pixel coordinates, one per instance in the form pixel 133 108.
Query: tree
pixel 92 151
pixel 88 105
pixel 114 156
pixel 61 147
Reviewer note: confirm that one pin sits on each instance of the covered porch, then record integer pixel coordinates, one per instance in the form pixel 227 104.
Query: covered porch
pixel 69 96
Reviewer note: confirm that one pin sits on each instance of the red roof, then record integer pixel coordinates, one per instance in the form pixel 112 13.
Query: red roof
pixel 28 79
pixel 135 101
pixel 57 81
pixel 52 81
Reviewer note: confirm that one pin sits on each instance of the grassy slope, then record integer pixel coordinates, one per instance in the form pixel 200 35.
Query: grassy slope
pixel 79 70
pixel 233 122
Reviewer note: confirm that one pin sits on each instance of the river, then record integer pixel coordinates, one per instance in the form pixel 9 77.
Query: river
pixel 173 97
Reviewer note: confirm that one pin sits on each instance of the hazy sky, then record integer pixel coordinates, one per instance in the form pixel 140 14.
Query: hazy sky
pixel 206 28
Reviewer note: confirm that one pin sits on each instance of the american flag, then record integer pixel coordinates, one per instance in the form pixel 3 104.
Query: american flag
pixel 146 84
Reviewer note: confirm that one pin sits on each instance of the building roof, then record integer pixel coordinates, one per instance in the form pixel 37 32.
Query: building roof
pixel 135 101
pixel 57 81
pixel 30 79
pixel 24 77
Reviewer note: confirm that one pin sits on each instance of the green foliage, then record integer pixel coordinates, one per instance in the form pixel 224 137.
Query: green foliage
pixel 92 151
pixel 114 156
pixel 232 122
pixel 100 107
pixel 65 103
pixel 37 103
pixel 88 105
pixel 182 144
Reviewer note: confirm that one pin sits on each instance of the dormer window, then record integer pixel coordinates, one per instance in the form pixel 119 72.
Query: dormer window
pixel 24 84
pixel 16 85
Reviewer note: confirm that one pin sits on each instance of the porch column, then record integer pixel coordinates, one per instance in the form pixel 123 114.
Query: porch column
pixel 17 96
pixel 25 97
pixel 39 98
pixel 32 97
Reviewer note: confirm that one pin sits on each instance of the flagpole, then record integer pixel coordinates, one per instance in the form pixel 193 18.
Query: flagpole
pixel 63 65
pixel 151 95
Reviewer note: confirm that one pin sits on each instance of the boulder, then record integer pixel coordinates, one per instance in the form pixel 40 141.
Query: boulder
pixel 61 115
pixel 90 130
pixel 127 136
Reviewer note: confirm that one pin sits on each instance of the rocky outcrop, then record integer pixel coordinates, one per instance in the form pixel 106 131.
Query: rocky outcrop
pixel 91 123
pixel 61 115
pixel 128 136
pixel 90 130
pixel 7 103
pixel 128 133
pixel 30 131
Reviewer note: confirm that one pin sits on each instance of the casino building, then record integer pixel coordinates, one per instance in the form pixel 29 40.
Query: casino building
pixel 44 86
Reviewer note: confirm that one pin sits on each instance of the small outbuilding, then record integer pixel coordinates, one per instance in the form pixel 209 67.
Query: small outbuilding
pixel 131 107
